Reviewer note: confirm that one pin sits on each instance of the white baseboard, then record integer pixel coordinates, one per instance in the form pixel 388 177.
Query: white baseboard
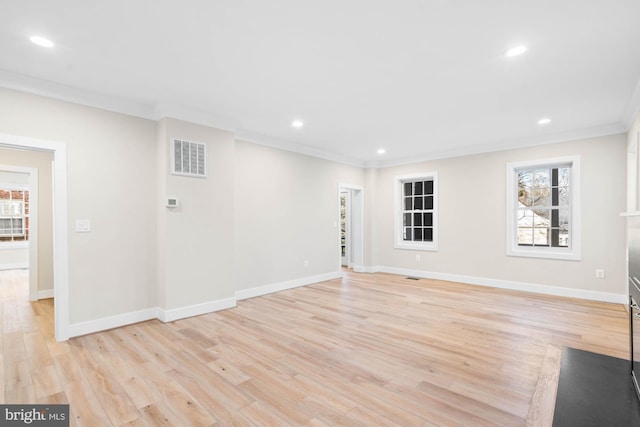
pixel 507 284
pixel 365 269
pixel 15 266
pixel 195 310
pixel 84 328
pixel 46 293
pixel 105 323
pixel 281 286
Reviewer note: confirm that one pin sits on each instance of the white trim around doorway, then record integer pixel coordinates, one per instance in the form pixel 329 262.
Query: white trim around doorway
pixel 357 225
pixel 60 224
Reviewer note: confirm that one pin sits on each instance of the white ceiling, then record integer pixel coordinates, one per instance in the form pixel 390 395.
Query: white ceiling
pixel 421 78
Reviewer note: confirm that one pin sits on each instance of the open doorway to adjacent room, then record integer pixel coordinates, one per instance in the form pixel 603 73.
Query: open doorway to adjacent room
pixel 35 217
pixel 19 224
pixel 351 226
pixel 345 228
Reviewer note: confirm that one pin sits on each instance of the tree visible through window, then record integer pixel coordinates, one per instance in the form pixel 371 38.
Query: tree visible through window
pixel 544 206
pixel 543 217
pixel 14 215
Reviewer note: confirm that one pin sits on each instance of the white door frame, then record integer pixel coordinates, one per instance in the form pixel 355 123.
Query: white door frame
pixel 347 259
pixel 356 250
pixel 33 225
pixel 60 224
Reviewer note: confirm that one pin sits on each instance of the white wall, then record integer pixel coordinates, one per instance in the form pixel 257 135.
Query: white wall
pixel 195 240
pixel 14 258
pixel 371 214
pixel 42 162
pixel 286 212
pixel 472 218
pixel 111 175
pixel 263 211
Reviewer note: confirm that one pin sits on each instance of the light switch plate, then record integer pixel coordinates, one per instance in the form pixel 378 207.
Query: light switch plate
pixel 83 225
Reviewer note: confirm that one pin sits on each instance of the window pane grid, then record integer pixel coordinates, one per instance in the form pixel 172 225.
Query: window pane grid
pixel 14 215
pixel 418 205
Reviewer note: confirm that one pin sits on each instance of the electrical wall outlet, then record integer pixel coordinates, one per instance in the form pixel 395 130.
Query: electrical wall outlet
pixel 599 274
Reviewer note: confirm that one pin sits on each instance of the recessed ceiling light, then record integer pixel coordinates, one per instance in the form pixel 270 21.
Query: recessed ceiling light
pixel 515 51
pixel 297 124
pixel 41 41
pixel 544 121
pixel 381 151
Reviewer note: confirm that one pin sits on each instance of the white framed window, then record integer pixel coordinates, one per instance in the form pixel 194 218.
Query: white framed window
pixel 416 213
pixel 188 158
pixel 543 208
pixel 14 214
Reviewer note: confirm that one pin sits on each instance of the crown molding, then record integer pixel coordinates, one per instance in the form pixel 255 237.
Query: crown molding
pixel 34 86
pixel 257 138
pixel 194 116
pixel 40 87
pixel 592 132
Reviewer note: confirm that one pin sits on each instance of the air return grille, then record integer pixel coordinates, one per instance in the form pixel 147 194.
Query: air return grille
pixel 189 158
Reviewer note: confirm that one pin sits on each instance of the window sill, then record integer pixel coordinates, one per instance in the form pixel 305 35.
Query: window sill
pixel 433 247
pixel 566 255
pixel 14 245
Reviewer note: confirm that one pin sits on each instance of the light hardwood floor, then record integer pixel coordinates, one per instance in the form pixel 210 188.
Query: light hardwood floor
pixel 371 349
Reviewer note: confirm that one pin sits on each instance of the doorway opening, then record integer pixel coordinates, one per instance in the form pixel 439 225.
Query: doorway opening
pixel 19 223
pixel 60 227
pixel 351 229
pixel 345 229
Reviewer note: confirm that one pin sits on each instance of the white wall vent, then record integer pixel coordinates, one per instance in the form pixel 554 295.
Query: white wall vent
pixel 188 158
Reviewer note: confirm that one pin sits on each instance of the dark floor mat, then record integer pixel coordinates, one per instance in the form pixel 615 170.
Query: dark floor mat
pixel 595 390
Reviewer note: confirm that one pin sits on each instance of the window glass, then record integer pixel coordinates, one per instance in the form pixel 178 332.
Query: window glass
pixel 418 204
pixel 541 221
pixel 14 215
pixel 539 198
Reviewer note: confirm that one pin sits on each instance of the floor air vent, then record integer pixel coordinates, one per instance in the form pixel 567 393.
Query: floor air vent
pixel 413 278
